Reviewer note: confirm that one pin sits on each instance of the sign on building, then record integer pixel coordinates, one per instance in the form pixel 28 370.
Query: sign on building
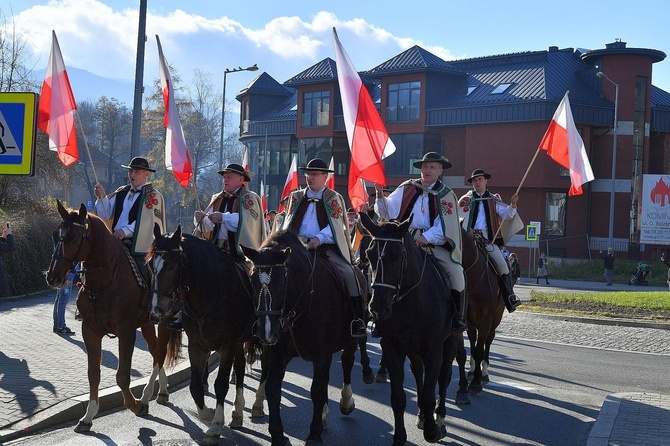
pixel 18 119
pixel 655 217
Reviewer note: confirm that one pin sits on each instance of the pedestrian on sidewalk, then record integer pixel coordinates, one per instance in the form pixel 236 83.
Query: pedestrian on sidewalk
pixel 666 262
pixel 608 258
pixel 6 245
pixel 514 268
pixel 542 269
pixel 60 304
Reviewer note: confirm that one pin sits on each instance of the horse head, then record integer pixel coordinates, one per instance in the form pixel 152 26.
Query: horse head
pixel 165 259
pixel 71 244
pixel 388 259
pixel 269 281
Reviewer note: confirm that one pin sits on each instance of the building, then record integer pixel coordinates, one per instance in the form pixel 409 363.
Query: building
pixel 487 112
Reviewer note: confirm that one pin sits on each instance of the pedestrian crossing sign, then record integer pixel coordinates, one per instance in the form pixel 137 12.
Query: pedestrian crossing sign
pixel 18 119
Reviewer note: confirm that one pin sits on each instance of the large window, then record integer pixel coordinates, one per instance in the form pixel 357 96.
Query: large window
pixel 403 102
pixel 556 213
pixel 410 148
pixel 316 107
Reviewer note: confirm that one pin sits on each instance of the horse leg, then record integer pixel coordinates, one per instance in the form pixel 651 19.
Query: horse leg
pixel 486 363
pixel 382 372
pixel 198 360
pixel 276 372
pixel 347 404
pixel 462 396
pixel 368 374
pixel 239 365
pixel 149 335
pixel 416 367
pixel 257 408
pixel 126 347
pixel 394 362
pixel 476 386
pixel 448 355
pixel 93 344
pixel 426 398
pixel 226 357
pixel 319 394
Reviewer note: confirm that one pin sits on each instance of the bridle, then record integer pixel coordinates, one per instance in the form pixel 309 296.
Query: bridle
pixel 180 290
pixel 59 248
pixel 378 279
pixel 265 297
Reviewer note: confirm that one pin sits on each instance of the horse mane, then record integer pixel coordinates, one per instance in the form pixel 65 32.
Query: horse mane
pixel 204 260
pixel 107 244
pixel 284 239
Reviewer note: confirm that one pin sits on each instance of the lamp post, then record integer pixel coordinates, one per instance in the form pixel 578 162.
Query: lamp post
pixel 602 75
pixel 254 67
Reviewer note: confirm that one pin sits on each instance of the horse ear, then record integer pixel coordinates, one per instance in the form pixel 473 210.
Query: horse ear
pixel 404 226
pixel 61 209
pixel 177 232
pixel 286 253
pixel 82 211
pixel 370 226
pixel 157 231
pixel 251 253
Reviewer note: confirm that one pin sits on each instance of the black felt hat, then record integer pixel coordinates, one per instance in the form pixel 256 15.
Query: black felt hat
pixel 318 165
pixel 237 168
pixel 138 163
pixel 432 157
pixel 478 173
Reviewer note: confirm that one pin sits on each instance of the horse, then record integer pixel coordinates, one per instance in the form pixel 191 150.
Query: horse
pixel 303 310
pixel 214 294
pixel 485 307
pixel 114 301
pixel 413 310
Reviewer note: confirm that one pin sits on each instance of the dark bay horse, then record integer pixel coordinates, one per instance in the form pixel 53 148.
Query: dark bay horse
pixel 214 294
pixel 302 310
pixel 413 309
pixel 485 307
pixel 111 302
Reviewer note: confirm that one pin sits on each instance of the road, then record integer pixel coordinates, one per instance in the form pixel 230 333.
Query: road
pixel 549 379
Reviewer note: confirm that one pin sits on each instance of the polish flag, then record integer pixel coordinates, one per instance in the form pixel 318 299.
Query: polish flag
pixel 291 182
pixel 368 139
pixel 176 152
pixel 330 179
pixel 264 199
pixel 55 115
pixel 358 194
pixel 565 146
pixel 245 158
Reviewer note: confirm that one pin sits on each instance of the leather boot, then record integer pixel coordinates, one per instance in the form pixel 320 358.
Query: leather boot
pixel 511 301
pixel 458 323
pixel 358 326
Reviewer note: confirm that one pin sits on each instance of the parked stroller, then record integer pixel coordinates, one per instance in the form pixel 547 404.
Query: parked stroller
pixel 640 275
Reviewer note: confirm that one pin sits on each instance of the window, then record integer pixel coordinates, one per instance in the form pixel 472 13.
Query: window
pixel 501 88
pixel 403 102
pixel 316 109
pixel 555 215
pixel 410 148
pixel 470 90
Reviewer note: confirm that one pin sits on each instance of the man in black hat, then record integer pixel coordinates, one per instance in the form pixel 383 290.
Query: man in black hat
pixel 485 213
pixel 235 215
pixel 318 215
pixel 132 210
pixel 435 223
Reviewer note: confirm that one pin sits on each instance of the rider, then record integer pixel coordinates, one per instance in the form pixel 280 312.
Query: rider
pixel 132 210
pixel 318 215
pixel 484 213
pixel 435 225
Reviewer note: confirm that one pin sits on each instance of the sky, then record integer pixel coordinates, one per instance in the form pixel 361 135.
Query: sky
pixel 285 38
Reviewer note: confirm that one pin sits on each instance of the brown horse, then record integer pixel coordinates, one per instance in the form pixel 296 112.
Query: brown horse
pixel 485 307
pixel 112 302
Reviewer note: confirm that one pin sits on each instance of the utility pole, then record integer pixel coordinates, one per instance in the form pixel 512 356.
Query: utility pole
pixel 139 80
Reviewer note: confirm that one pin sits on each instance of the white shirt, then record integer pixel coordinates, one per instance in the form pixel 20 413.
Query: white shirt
pixel 104 207
pixel 309 227
pixel 229 222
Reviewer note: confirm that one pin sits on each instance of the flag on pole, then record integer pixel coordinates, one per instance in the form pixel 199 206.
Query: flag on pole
pixel 245 158
pixel 330 179
pixel 291 182
pixel 368 139
pixel 176 152
pixel 55 115
pixel 358 194
pixel 264 200
pixel 565 146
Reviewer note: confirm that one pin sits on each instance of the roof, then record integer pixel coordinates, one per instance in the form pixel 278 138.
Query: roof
pixel 414 59
pixel 323 71
pixel 265 84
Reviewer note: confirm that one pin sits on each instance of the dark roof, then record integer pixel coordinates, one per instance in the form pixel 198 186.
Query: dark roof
pixel 265 84
pixel 414 59
pixel 659 98
pixel 619 48
pixel 323 71
pixel 288 109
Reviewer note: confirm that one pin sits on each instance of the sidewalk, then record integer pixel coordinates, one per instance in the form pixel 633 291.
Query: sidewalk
pixel 43 378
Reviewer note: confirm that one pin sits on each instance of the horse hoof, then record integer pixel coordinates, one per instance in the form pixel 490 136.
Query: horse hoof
pixel 210 440
pixel 313 443
pixel 485 380
pixel 462 398
pixel 144 410
pixel 470 376
pixel 82 427
pixel 368 378
pixel 236 423
pixel 257 412
pixel 346 410
pixel 382 378
pixel 419 421
pixel 475 390
pixel 163 398
pixel 436 435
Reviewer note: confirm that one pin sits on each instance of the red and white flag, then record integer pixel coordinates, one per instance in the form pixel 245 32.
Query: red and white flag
pixel 330 179
pixel 264 199
pixel 55 115
pixel 291 183
pixel 368 139
pixel 358 194
pixel 176 152
pixel 245 158
pixel 565 146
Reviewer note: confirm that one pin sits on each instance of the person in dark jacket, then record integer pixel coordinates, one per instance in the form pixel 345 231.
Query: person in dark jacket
pixel 542 269
pixel 6 245
pixel 608 258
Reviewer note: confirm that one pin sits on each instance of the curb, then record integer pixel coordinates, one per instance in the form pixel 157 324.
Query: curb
pixel 602 428
pixel 599 321
pixel 74 408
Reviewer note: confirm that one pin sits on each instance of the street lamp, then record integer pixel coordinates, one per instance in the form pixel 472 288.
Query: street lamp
pixel 602 75
pixel 254 67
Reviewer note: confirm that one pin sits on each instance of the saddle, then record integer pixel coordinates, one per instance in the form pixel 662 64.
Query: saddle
pixel 323 254
pixel 482 243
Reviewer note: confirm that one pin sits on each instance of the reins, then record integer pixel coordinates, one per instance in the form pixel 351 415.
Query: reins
pixel 403 268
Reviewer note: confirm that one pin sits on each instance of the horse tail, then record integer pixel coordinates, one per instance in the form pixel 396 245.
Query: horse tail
pixel 173 348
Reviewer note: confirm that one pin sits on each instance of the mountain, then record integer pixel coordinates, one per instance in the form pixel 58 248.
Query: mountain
pixel 87 86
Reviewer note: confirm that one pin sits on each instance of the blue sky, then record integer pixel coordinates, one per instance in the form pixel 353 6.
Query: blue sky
pixel 284 38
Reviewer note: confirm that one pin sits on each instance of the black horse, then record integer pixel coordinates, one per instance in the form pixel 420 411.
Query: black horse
pixel 303 310
pixel 214 295
pixel 413 310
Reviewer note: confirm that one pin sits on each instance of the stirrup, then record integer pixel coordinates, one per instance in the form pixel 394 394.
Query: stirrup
pixel 357 328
